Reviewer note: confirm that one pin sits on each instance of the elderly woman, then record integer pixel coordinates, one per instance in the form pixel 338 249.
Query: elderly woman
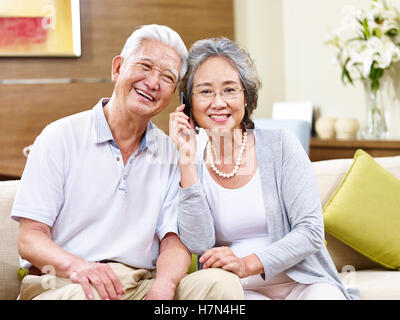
pixel 249 198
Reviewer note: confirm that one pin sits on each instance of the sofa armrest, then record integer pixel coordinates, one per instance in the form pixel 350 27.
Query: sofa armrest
pixel 9 263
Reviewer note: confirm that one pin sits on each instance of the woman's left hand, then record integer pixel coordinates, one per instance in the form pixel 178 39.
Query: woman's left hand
pixel 223 257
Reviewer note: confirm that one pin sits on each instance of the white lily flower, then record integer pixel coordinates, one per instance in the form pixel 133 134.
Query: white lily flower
pixel 367 63
pixel 361 46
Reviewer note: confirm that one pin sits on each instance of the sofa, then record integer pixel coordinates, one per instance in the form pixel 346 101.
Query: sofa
pixel 373 280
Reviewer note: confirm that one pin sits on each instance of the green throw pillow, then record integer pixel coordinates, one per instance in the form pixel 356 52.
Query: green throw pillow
pixel 364 211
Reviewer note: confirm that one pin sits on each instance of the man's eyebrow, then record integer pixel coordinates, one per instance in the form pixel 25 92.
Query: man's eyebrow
pixel 149 59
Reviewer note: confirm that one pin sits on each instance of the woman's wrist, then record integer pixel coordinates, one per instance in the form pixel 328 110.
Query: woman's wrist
pixel 189 174
pixel 252 265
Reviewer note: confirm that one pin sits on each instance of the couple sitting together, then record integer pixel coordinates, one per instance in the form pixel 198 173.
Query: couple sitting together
pixel 114 207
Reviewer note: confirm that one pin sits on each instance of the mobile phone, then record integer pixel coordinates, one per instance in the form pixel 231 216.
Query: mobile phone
pixel 182 100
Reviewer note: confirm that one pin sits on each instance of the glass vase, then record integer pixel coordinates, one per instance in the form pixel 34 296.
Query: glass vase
pixel 375 124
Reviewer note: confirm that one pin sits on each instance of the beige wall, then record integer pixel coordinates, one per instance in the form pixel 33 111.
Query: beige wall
pixel 259 29
pixel 286 37
pixel 26 108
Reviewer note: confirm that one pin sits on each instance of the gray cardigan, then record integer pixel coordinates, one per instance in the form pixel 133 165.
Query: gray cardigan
pixel 292 207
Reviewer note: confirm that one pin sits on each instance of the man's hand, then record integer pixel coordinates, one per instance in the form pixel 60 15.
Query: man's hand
pixel 35 245
pixel 101 276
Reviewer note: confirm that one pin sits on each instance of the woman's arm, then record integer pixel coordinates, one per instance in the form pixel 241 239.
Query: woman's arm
pixel 300 201
pixel 195 222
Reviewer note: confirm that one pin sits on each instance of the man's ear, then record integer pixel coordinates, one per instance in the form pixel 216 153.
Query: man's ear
pixel 116 67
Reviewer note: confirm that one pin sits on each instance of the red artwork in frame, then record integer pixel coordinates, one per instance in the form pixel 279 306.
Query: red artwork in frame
pixel 43 28
pixel 26 31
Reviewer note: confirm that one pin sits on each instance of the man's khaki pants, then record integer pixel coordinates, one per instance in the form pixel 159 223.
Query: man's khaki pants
pixel 206 284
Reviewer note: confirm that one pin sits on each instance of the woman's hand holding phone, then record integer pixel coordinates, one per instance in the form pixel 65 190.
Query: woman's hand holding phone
pixel 181 131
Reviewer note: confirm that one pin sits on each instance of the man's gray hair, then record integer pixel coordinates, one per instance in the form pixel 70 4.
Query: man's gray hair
pixel 158 33
pixel 201 50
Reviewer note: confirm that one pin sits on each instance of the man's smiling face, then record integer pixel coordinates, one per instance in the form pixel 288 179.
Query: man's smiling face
pixel 147 78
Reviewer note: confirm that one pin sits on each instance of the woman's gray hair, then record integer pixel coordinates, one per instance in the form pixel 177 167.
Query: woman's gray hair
pixel 158 33
pixel 238 57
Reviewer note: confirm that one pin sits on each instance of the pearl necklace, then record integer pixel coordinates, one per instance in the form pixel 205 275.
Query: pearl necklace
pixel 237 163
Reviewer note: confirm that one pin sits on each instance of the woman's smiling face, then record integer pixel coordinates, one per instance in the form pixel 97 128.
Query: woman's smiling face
pixel 214 77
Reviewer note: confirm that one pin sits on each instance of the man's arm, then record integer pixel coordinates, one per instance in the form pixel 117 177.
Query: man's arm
pixel 36 246
pixel 172 265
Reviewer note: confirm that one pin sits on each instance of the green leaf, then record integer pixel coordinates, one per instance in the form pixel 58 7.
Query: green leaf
pixel 345 73
pixel 392 32
pixel 375 75
pixel 377 32
pixel 366 30
pixel 375 85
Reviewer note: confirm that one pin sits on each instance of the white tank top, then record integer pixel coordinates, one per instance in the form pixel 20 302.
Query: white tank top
pixel 239 214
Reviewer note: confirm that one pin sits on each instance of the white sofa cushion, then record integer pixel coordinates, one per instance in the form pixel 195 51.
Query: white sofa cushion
pixel 374 284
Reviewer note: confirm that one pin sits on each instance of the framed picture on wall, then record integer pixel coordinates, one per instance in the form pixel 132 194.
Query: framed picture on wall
pixel 40 28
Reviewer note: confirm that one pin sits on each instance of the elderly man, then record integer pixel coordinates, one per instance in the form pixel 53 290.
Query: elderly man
pixel 97 202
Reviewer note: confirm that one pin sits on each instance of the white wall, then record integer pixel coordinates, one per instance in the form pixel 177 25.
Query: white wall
pixel 285 37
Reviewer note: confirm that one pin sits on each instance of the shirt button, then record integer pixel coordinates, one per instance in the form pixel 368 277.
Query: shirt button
pixel 118 159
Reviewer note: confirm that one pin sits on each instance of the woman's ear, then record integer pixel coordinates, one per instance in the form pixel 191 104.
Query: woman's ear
pixel 116 67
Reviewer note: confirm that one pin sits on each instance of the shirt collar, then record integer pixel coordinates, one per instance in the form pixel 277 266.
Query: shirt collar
pixel 103 132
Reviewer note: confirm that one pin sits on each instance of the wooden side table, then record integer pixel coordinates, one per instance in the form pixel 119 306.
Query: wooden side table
pixel 337 149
